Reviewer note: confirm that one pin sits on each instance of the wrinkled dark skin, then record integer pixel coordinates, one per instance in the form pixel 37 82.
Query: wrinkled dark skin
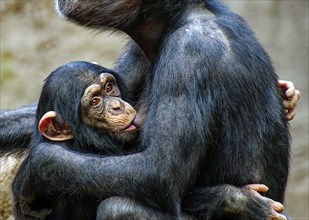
pixel 215 119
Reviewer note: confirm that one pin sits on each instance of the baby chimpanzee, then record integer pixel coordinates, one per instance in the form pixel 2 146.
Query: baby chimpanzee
pixel 80 108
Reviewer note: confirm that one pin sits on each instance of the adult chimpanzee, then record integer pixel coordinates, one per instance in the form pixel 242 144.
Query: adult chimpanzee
pixel 214 118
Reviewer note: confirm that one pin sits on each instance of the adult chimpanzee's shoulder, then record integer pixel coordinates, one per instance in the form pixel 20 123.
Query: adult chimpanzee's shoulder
pixel 196 21
pixel 200 32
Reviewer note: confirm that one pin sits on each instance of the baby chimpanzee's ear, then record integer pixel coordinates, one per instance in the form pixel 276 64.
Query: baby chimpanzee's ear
pixel 52 130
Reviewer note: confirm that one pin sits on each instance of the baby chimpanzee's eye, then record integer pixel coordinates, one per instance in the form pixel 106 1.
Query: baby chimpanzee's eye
pixel 95 101
pixel 109 87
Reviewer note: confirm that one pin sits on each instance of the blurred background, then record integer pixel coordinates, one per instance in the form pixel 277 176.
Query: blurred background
pixel 34 41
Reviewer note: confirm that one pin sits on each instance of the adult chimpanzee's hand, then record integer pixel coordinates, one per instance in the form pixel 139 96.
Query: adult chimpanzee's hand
pixel 291 97
pixel 275 207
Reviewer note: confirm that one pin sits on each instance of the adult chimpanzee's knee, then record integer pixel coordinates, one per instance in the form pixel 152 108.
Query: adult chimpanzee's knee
pixel 119 208
pixel 116 208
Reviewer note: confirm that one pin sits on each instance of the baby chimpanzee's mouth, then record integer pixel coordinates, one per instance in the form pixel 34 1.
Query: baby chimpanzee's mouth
pixel 131 127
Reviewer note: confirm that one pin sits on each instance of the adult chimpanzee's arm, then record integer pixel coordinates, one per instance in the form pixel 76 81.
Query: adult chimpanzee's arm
pixel 16 128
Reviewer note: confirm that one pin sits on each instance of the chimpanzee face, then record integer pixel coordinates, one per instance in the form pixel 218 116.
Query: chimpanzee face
pixel 102 107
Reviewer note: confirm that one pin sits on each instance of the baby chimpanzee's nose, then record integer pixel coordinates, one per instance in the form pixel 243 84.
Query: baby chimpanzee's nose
pixel 116 107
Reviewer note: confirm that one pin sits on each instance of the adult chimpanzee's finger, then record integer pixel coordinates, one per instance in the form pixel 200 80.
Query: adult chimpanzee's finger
pixel 277 206
pixel 278 216
pixel 257 187
pixel 287 87
pixel 291 114
pixel 292 102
